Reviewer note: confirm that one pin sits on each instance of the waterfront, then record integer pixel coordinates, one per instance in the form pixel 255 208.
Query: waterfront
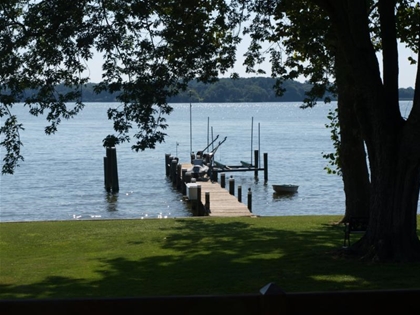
pixel 62 175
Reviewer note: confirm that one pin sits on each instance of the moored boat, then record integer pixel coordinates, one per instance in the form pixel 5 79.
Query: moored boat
pixel 285 189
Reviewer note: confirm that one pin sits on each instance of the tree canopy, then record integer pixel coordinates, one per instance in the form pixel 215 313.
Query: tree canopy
pixel 151 50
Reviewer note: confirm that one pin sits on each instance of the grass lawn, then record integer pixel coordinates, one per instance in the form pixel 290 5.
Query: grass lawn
pixel 191 256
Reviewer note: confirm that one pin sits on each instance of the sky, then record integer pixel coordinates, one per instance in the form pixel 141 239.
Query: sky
pixel 407 72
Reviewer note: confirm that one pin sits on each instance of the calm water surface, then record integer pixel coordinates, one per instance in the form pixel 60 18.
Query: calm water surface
pixel 62 175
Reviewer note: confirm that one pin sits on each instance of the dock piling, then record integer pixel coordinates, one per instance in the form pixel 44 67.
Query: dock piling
pixel 256 166
pixel 265 168
pixel 207 203
pixel 183 181
pixel 232 186
pixel 199 204
pixel 174 163
pixel 249 200
pixel 111 170
pixel 223 180
pixel 167 163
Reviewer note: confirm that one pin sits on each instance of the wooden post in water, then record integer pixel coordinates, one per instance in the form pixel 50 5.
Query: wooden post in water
pixel 256 163
pixel 249 200
pixel 106 176
pixel 174 163
pixel 265 168
pixel 240 193
pixel 167 164
pixel 178 176
pixel 111 170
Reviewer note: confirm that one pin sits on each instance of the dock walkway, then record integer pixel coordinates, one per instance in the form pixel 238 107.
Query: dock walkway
pixel 222 203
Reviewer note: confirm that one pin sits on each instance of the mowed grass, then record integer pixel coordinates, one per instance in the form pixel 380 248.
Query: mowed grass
pixel 191 256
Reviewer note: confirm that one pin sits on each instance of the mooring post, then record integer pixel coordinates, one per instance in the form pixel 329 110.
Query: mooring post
pixel 114 171
pixel 240 193
pixel 183 181
pixel 199 204
pixel 256 163
pixel 106 175
pixel 167 168
pixel 214 176
pixel 111 170
pixel 169 165
pixel 223 180
pixel 174 163
pixel 249 200
pixel 179 176
pixel 188 177
pixel 207 206
pixel 232 185
pixel 265 168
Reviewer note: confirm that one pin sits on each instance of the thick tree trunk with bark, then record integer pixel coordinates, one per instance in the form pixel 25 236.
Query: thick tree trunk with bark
pixel 352 152
pixel 353 163
pixel 392 144
pixel 392 234
pixel 401 242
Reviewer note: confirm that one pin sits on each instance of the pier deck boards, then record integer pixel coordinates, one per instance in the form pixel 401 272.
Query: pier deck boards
pixel 222 203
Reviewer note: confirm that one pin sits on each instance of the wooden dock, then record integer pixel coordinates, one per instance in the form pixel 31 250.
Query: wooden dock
pixel 208 197
pixel 220 201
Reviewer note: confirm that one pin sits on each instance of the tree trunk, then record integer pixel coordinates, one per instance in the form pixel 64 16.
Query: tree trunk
pixel 401 243
pixel 353 163
pixel 392 235
pixel 352 153
pixel 392 144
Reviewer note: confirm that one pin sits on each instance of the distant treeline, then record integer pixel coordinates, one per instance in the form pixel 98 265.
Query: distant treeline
pixel 256 89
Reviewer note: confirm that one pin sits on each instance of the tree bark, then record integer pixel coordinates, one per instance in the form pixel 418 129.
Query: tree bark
pixel 392 144
pixel 352 159
pixel 352 152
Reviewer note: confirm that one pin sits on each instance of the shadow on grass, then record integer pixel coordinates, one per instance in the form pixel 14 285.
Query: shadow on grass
pixel 207 257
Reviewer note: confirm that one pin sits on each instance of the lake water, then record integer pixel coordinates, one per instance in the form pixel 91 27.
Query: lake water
pixel 62 175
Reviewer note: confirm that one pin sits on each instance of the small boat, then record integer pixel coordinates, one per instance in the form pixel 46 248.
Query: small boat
pixel 285 189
